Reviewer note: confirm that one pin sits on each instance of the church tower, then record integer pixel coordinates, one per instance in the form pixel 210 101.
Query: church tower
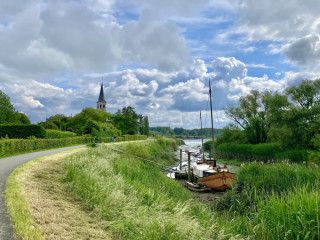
pixel 101 104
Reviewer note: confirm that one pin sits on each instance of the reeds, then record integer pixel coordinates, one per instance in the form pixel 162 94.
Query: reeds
pixel 274 201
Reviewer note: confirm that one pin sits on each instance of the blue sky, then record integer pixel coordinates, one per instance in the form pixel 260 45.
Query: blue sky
pixel 156 56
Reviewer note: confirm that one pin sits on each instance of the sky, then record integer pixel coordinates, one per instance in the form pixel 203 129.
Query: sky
pixel 156 56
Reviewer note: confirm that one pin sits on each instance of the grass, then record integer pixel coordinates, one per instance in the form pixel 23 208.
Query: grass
pixel 101 192
pixel 19 208
pixel 47 207
pixel 136 198
pixel 273 201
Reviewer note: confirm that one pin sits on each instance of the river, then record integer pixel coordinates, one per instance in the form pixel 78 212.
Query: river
pixel 194 146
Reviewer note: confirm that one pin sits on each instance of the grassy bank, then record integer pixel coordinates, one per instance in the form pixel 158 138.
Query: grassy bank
pixel 107 192
pixel 273 201
pixel 138 200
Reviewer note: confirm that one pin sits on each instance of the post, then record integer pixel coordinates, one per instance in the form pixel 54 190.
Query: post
pixel 203 160
pixel 180 160
pixel 213 149
pixel 189 168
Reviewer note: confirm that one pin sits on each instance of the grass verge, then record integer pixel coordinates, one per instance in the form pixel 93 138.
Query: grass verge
pixel 41 208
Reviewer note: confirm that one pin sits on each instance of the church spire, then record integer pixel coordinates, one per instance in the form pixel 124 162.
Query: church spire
pixel 101 104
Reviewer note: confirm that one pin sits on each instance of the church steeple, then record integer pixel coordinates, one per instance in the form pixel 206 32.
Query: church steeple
pixel 101 104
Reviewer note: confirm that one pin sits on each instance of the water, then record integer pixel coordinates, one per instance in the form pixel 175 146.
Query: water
pixel 194 146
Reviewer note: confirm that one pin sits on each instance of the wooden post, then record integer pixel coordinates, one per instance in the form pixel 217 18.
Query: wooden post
pixel 189 168
pixel 180 160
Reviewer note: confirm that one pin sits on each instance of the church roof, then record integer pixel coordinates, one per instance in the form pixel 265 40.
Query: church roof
pixel 101 96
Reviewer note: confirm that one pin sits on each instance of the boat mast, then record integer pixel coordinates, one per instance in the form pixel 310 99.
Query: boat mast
pixel 202 138
pixel 213 150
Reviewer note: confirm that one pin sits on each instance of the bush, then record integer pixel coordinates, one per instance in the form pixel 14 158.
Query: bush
pixel 10 146
pixel 180 142
pixel 134 137
pixel 22 131
pixel 59 134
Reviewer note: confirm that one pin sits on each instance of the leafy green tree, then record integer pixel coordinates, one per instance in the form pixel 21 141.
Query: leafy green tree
pixel 250 115
pixel 144 125
pixel 60 120
pixel 76 123
pixel 22 118
pixel 127 120
pixel 8 115
pixel 232 134
pixel 7 111
pixel 178 131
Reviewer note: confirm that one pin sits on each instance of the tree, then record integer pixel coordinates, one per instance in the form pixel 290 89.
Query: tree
pixel 144 125
pixel 7 111
pixel 60 120
pixel 76 123
pixel 232 134
pixel 22 118
pixel 126 120
pixel 250 115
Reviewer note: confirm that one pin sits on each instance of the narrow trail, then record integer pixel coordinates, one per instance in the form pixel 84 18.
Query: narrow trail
pixel 7 165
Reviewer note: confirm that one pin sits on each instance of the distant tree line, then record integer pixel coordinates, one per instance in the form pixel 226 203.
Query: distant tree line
pixel 291 118
pixel 184 133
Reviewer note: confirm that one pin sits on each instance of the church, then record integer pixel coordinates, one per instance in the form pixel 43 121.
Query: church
pixel 101 104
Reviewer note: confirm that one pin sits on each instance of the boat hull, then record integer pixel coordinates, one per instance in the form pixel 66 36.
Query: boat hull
pixel 221 180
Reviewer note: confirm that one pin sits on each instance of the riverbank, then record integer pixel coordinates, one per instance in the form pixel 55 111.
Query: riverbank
pixel 119 191
pixel 102 194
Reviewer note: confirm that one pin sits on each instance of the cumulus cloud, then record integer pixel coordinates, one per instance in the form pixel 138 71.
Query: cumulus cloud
pixel 30 101
pixel 305 51
pixel 42 38
pixel 277 19
pixel 229 68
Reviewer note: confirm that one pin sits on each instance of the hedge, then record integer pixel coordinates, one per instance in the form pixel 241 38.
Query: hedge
pixel 10 146
pixel 259 152
pixel 58 134
pixel 22 131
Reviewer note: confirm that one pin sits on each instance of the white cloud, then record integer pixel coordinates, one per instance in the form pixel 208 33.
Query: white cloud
pixel 305 51
pixel 229 68
pixel 252 65
pixel 30 101
pixel 276 19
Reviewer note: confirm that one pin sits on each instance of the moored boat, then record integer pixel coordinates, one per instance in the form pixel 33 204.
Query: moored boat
pixel 207 173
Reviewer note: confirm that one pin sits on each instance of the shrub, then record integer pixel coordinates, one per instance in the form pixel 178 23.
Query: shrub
pixel 134 137
pixel 58 134
pixel 10 146
pixel 180 142
pixel 22 131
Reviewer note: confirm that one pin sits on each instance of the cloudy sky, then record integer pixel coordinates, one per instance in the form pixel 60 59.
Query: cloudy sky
pixel 156 56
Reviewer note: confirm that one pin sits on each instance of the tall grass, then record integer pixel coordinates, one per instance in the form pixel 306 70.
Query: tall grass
pixel 135 197
pixel 274 201
pixel 259 152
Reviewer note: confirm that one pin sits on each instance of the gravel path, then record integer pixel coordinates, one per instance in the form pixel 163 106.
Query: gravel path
pixel 7 165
